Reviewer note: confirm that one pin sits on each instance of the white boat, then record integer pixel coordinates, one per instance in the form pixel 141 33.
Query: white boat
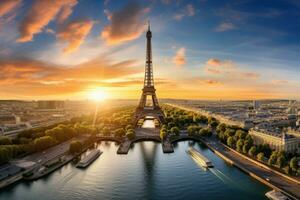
pixel 87 160
pixel 276 195
pixel 202 160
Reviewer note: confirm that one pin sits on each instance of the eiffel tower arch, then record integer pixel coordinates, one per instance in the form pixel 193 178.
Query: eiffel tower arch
pixel 144 109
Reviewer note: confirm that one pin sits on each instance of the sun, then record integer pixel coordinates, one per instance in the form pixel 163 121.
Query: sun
pixel 97 94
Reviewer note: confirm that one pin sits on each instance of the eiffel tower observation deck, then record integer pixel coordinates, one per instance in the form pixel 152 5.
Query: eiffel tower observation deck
pixel 149 107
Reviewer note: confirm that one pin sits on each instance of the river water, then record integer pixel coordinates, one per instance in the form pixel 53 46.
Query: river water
pixel 144 173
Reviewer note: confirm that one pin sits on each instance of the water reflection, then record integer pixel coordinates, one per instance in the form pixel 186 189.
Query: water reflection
pixel 144 173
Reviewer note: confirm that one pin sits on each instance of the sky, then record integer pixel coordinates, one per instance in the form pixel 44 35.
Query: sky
pixel 202 49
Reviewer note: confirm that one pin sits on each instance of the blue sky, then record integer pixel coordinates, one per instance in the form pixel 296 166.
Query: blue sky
pixel 202 49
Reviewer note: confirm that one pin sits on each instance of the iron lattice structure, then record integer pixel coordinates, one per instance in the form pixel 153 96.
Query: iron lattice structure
pixel 143 110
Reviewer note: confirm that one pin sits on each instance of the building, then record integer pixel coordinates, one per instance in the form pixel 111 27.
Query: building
pixel 276 140
pixel 50 104
pixel 8 119
pixel 256 105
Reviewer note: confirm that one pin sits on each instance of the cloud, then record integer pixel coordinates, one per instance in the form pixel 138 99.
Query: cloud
pixel 40 14
pixel 225 26
pixel 74 34
pixel 66 11
pixel 279 82
pixel 187 11
pixel 125 24
pixel 6 10
pixel 35 77
pixel 209 82
pixel 216 66
pixel 179 58
pixel 7 6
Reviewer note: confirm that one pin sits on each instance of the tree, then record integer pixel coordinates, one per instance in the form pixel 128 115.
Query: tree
pixel 239 145
pixel 43 143
pixel 4 140
pixel 287 170
pixel 246 148
pixel 205 132
pixel 163 134
pixel 128 127
pixel 260 156
pixel 280 161
pixel 221 128
pixel 171 124
pixel 241 134
pixel 130 134
pixel 229 132
pixel 193 129
pixel 252 151
pixel 272 158
pixel 175 130
pixel 105 131
pixel 231 142
pixel 294 164
pixel 75 147
pixel 119 132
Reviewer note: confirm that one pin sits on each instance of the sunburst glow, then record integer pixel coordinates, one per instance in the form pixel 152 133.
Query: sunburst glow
pixel 98 94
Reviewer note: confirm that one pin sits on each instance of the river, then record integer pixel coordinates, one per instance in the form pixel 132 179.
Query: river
pixel 144 173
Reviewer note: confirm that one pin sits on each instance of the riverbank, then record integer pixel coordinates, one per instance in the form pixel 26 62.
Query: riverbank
pixel 277 180
pixel 38 159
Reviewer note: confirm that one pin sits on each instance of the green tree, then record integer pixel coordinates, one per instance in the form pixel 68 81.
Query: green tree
pixel 280 161
pixel 43 143
pixel 75 147
pixel 287 170
pixel 221 128
pixel 273 158
pixel 163 134
pixel 4 140
pixel 130 134
pixel 119 132
pixel 241 134
pixel 231 142
pixel 229 132
pixel 246 147
pixel 239 145
pixel 294 164
pixel 260 156
pixel 105 131
pixel 252 151
pixel 128 127
pixel 193 129
pixel 175 130
pixel 205 132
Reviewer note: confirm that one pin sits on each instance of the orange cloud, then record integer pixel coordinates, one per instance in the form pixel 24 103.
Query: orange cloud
pixel 179 58
pixel 279 82
pixel 126 24
pixel 74 34
pixel 30 71
pixel 209 82
pixel 66 11
pixel 216 66
pixel 7 6
pixel 40 14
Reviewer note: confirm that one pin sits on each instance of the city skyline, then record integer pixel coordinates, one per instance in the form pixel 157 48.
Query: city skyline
pixel 201 49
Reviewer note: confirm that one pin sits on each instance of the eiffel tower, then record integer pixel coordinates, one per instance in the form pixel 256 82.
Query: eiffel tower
pixel 144 110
